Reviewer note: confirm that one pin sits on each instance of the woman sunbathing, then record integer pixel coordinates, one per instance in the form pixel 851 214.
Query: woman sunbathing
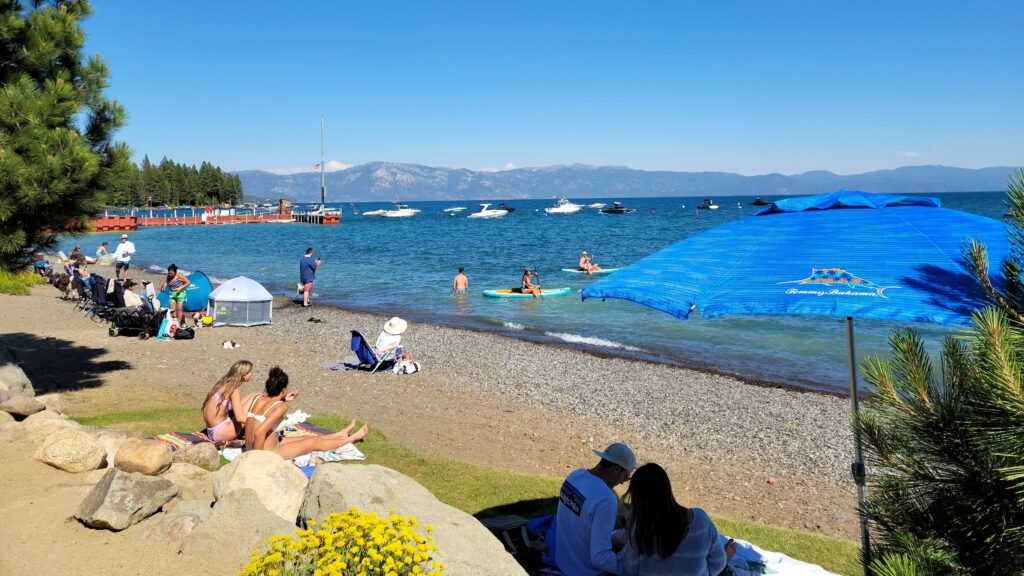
pixel 222 409
pixel 265 413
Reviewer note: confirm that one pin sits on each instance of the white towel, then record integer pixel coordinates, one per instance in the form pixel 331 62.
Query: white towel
pixel 750 560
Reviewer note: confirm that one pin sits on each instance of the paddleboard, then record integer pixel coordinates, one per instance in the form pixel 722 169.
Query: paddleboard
pixel 510 293
pixel 601 272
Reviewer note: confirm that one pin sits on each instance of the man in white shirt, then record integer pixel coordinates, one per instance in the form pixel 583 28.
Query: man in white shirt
pixel 131 299
pixel 123 256
pixel 587 509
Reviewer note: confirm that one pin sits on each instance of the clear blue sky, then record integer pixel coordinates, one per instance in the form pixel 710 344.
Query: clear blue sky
pixel 748 87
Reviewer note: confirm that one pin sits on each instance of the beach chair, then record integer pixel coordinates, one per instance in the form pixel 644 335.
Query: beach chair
pixel 368 357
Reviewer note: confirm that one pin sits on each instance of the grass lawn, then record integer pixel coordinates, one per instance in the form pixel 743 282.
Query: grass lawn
pixel 19 283
pixel 485 491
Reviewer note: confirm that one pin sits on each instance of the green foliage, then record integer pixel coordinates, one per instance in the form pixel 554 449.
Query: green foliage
pixel 946 450
pixel 57 154
pixel 19 283
pixel 175 185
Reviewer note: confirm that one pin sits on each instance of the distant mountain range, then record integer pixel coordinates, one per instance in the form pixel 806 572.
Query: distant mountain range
pixel 387 182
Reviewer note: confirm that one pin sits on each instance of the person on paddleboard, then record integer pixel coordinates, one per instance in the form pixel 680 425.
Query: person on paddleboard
pixel 527 286
pixel 586 263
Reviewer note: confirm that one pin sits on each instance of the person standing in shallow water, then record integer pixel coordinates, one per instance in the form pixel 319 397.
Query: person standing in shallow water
pixel 307 275
pixel 461 282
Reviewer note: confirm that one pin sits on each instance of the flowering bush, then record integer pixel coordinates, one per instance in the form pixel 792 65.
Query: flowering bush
pixel 352 543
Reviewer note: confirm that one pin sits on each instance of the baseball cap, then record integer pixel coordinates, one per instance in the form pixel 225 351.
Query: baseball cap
pixel 620 454
pixel 124 235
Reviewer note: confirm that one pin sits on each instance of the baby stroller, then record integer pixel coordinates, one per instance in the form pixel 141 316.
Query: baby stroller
pixel 141 320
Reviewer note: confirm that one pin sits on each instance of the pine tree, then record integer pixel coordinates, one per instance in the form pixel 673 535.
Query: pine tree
pixel 57 153
pixel 947 451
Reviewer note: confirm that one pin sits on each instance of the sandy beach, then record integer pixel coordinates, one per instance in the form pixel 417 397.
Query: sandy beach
pixel 773 455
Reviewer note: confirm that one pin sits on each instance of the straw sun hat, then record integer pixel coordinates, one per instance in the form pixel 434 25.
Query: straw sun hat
pixel 395 326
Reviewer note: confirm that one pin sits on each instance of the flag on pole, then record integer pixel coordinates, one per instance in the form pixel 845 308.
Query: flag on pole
pixel 316 166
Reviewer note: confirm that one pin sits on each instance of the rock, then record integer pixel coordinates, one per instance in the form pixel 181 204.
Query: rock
pixel 204 455
pixel 149 457
pixel 22 406
pixel 121 499
pixel 5 395
pixel 11 432
pixel 53 401
pixel 110 439
pixel 71 450
pixel 5 418
pixel 177 521
pixel 278 484
pixel 192 481
pixel 15 380
pixel 40 426
pixel 237 525
pixel 466 547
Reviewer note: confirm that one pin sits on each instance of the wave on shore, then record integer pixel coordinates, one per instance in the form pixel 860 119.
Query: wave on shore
pixel 592 341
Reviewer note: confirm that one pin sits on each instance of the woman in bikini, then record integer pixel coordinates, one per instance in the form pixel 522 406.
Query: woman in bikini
pixel 528 287
pixel 223 407
pixel 176 284
pixel 265 412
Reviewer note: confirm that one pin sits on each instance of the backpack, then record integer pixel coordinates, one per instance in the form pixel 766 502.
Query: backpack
pixel 185 334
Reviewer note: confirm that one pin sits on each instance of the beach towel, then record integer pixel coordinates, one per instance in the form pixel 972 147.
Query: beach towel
pixel 751 560
pixel 181 440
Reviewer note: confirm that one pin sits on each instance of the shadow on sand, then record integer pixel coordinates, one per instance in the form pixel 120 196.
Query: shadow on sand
pixel 55 365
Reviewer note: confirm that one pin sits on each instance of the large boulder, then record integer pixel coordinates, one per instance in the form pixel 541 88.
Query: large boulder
pixel 53 401
pixel 204 455
pixel 22 406
pixel 41 425
pixel 278 484
pixel 11 432
pixel 150 457
pixel 71 450
pixel 5 395
pixel 5 418
pixel 237 525
pixel 13 378
pixel 194 482
pixel 121 499
pixel 177 521
pixel 465 546
pixel 110 439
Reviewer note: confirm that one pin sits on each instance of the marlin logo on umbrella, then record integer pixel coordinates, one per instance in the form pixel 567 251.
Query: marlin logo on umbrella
pixel 836 277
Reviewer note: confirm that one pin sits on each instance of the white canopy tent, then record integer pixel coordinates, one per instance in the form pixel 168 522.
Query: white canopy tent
pixel 241 301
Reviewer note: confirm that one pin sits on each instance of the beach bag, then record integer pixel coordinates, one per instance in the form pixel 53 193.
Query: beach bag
pixel 406 367
pixel 167 327
pixel 185 334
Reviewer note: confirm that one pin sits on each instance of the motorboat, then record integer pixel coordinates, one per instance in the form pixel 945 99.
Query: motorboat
pixel 486 212
pixel 617 208
pixel 596 205
pixel 707 204
pixel 374 213
pixel 455 209
pixel 506 207
pixel 760 202
pixel 563 206
pixel 400 211
pixel 321 210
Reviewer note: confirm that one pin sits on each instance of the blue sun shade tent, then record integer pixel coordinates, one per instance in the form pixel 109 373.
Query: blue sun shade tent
pixel 195 294
pixel 241 301
pixel 852 254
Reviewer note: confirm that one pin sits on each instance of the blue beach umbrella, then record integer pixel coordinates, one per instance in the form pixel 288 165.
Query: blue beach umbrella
pixel 848 254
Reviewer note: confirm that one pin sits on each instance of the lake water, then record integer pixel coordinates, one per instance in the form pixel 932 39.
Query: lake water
pixel 404 266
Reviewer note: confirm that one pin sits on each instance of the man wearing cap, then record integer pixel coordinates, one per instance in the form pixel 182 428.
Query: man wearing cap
pixel 131 299
pixel 123 256
pixel 587 509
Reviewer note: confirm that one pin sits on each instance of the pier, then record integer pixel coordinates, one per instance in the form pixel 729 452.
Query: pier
pixel 205 217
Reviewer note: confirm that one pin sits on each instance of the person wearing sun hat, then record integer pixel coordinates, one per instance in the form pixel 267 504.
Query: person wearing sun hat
pixel 587 510
pixel 390 339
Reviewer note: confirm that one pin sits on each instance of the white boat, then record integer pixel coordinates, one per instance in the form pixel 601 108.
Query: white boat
pixel 400 211
pixel 321 210
pixel 708 204
pixel 596 205
pixel 486 212
pixel 374 213
pixel 454 209
pixel 563 206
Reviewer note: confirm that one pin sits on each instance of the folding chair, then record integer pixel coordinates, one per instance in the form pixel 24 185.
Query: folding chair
pixel 367 356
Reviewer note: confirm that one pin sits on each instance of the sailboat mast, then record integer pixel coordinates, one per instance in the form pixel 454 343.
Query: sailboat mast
pixel 323 182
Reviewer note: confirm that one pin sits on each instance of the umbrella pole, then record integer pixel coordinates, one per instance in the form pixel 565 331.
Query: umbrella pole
pixel 858 469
